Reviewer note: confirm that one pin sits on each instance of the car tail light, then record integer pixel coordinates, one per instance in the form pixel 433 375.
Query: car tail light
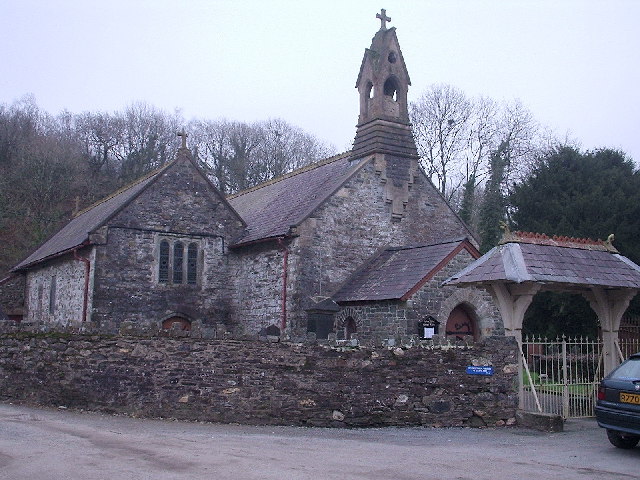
pixel 601 393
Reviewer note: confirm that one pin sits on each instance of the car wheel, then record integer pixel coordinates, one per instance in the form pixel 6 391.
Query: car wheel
pixel 622 440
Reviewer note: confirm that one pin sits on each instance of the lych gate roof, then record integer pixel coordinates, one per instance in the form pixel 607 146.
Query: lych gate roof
pixel 397 272
pixel 272 208
pixel 525 257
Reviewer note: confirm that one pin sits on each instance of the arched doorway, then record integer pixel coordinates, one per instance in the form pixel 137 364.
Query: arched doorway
pixel 349 327
pixel 460 324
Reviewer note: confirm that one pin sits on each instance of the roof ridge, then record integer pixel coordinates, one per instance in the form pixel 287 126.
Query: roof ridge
pixel 558 241
pixel 290 174
pixel 123 189
pixel 424 245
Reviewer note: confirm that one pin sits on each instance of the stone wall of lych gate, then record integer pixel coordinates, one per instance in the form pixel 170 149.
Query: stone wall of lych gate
pixel 254 382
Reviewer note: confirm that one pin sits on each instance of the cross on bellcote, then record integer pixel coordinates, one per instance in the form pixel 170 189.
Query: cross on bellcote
pixel 383 18
pixel 184 136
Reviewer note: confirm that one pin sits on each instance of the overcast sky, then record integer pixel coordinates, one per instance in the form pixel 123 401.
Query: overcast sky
pixel 574 64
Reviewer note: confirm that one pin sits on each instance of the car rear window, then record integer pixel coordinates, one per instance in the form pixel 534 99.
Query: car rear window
pixel 629 370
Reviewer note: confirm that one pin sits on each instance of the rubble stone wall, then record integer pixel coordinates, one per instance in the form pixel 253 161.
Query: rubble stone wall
pixel 253 382
pixel 178 207
pixel 55 292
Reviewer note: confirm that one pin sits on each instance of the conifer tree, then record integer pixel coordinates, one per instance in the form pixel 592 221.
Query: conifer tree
pixel 494 206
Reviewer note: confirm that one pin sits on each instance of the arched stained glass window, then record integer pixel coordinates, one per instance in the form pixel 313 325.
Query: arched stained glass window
pixel 178 258
pixel 163 265
pixel 192 263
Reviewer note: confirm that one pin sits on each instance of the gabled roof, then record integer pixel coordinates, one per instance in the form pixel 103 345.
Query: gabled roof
pixel 559 261
pixel 272 208
pixel 398 272
pixel 76 233
pixel 381 41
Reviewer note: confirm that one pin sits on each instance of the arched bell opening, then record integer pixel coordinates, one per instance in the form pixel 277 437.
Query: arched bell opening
pixel 391 88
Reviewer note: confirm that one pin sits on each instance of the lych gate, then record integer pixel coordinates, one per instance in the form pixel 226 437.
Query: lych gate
pixel 524 264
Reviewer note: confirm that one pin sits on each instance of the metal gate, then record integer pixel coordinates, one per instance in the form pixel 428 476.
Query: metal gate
pixel 560 376
pixel 629 336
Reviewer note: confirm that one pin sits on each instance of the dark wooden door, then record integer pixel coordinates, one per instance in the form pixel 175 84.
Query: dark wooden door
pixel 460 323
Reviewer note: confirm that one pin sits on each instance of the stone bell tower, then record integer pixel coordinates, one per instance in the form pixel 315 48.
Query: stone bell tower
pixel 383 83
pixel 383 124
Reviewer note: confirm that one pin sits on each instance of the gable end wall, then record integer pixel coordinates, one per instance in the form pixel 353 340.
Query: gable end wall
pixel 358 220
pixel 179 206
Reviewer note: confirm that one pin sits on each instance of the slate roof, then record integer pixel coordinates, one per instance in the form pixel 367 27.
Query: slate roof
pixel 397 272
pixel 270 209
pixel 76 232
pixel 566 262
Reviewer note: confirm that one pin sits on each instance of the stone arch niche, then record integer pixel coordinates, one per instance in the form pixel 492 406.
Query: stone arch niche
pixel 461 323
pixel 347 323
pixel 366 97
pixel 473 303
pixel 392 97
pixel 181 320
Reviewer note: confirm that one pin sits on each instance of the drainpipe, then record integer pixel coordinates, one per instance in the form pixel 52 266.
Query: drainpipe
pixel 87 269
pixel 285 262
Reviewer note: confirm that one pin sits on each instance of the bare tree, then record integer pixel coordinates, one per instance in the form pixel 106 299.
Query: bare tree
pixel 19 123
pixel 523 134
pixel 456 137
pixel 440 120
pixel 100 133
pixel 239 155
pixel 210 142
pixel 285 148
pixel 148 140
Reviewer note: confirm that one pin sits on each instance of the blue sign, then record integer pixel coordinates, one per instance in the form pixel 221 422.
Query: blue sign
pixel 479 370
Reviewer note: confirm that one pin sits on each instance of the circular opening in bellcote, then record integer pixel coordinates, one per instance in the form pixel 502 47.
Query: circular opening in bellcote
pixel 392 57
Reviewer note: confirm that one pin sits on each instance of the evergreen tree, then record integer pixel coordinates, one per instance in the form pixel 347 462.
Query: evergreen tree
pixel 591 195
pixel 494 206
pixel 468 200
pixel 582 195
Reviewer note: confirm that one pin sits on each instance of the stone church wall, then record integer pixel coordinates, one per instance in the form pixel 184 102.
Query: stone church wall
pixel 12 296
pixel 139 297
pixel 257 275
pixel 55 293
pixel 355 222
pixel 127 283
pixel 438 301
pixel 254 382
pixel 343 233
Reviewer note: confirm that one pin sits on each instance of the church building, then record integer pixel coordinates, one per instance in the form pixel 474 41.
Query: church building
pixel 355 246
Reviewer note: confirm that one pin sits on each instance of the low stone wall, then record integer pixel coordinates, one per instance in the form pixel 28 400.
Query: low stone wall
pixel 255 382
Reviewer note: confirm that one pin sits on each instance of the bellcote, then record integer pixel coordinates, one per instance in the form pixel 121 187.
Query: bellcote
pixel 383 83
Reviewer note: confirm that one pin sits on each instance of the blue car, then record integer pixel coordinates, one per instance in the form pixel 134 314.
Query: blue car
pixel 618 407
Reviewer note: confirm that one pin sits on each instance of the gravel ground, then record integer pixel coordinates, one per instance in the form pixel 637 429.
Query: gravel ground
pixel 39 444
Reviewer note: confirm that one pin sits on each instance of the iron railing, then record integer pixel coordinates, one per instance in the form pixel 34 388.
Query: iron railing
pixel 561 376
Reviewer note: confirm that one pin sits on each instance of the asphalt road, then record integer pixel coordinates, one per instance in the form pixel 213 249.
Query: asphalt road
pixel 39 444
